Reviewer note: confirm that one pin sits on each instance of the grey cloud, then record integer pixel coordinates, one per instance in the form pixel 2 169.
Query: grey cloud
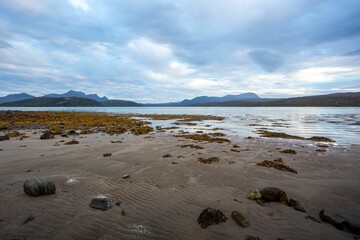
pixel 269 61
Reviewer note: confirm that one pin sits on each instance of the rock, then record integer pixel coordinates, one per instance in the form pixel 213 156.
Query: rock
pixel 339 222
pixel 118 203
pixel 47 135
pixel 296 205
pixel 211 216
pixel 251 237
pixel 126 176
pixel 167 156
pixel 37 187
pixel 240 219
pixel 101 203
pixel 3 138
pixel 123 213
pixel 28 219
pixel 312 219
pixel 273 194
pixel 253 195
pixel 107 154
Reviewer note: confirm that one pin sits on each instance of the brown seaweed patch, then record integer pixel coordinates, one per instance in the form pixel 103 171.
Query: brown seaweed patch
pixel 14 134
pixel 264 133
pixel 184 117
pixel 320 150
pixel 209 160
pixel 320 139
pixel 72 142
pixel 86 131
pixel 217 134
pixel 141 130
pixel 322 146
pixel 191 146
pixel 288 151
pixel 277 164
pixel 203 137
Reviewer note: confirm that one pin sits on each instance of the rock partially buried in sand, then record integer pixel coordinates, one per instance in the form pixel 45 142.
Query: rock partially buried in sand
pixel 126 176
pixel 296 205
pixel 107 154
pixel 339 222
pixel 101 203
pixel 3 138
pixel 47 135
pixel 273 194
pixel 211 216
pixel 251 237
pixel 240 219
pixel 37 187
pixel 254 195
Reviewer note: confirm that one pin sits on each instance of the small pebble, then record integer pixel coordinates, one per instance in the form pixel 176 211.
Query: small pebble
pixel 107 154
pixel 126 176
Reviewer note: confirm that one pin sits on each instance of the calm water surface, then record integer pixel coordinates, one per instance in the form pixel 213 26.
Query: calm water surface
pixel 340 124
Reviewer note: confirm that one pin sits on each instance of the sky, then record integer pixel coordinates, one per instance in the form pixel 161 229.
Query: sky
pixel 154 51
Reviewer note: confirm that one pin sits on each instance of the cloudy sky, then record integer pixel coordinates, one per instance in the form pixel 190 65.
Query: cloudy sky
pixel 167 50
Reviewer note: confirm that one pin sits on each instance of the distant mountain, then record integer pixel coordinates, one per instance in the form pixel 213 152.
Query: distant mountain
pixel 53 102
pixel 351 99
pixel 205 99
pixel 68 102
pixel 78 94
pixel 15 97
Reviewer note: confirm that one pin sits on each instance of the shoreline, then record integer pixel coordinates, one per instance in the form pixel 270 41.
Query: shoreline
pixel 164 196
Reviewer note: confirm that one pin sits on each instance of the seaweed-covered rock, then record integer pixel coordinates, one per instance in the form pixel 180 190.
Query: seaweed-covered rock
pixel 273 194
pixel 254 195
pixel 3 138
pixel 47 135
pixel 339 222
pixel 211 216
pixel 101 203
pixel 37 187
pixel 240 219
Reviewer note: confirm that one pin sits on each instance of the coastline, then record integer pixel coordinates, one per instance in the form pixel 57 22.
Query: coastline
pixel 162 199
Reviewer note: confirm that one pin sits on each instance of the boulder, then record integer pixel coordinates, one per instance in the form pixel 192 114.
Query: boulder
pixel 240 219
pixel 273 194
pixel 211 216
pixel 339 222
pixel 101 203
pixel 37 187
pixel 47 135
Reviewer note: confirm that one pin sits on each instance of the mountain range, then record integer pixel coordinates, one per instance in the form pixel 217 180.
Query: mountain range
pixel 80 99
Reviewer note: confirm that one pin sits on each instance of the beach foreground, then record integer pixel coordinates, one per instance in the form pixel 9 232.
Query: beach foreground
pixel 168 187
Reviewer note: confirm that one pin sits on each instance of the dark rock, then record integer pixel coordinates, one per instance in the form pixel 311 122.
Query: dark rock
pixel 37 187
pixel 167 156
pixel 101 203
pixel 251 237
pixel 313 219
pixel 3 138
pixel 107 154
pixel 123 213
pixel 72 132
pixel 64 135
pixel 211 216
pixel 72 142
pixel 240 219
pixel 126 176
pixel 28 219
pixel 118 203
pixel 47 135
pixel 339 222
pixel 296 205
pixel 273 194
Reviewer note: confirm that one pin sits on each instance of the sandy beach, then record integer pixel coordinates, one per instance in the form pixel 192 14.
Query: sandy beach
pixel 163 196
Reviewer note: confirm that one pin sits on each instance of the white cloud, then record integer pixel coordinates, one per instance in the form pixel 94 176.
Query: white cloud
pixel 80 4
pixel 325 74
pixel 26 6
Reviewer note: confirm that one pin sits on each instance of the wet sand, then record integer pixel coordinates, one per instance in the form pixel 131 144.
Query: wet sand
pixel 162 200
